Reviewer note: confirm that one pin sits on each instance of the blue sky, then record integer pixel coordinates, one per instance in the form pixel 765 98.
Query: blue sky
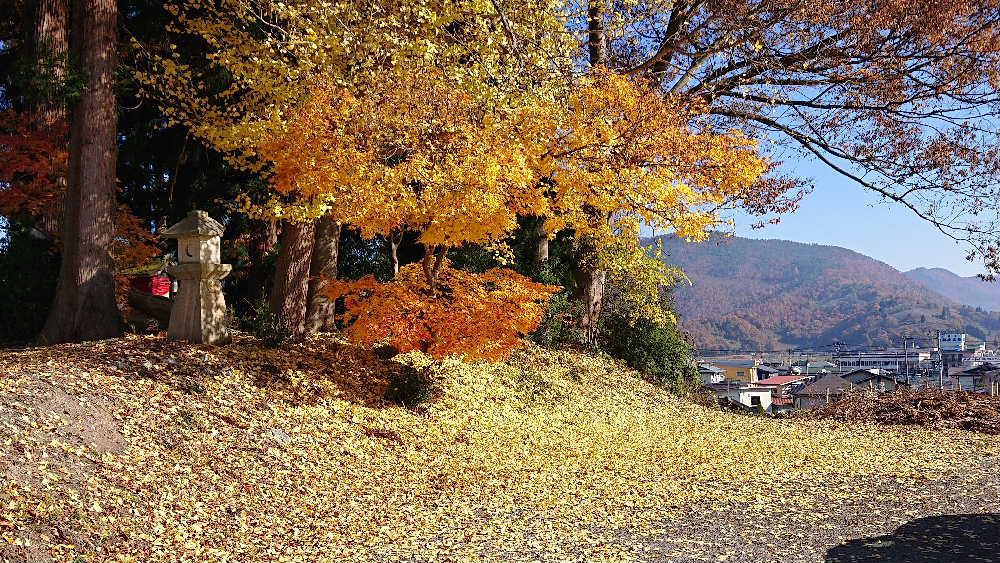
pixel 840 213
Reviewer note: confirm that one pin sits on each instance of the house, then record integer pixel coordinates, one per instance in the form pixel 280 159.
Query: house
pixel 872 379
pixel 983 378
pixel 827 389
pixel 782 405
pixel 738 370
pixel 744 394
pixel 783 384
pixel 710 374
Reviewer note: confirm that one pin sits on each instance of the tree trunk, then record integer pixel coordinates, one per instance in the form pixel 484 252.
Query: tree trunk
pixel 589 289
pixel 541 243
pixel 432 263
pixel 50 46
pixel 395 239
pixel 84 307
pixel 597 43
pixel 326 251
pixel 290 289
pixel 590 278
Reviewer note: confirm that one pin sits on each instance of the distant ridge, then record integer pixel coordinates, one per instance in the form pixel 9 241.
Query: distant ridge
pixel 970 290
pixel 776 294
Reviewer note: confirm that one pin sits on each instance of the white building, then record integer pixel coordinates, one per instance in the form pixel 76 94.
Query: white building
pixel 897 360
pixel 750 396
pixel 710 374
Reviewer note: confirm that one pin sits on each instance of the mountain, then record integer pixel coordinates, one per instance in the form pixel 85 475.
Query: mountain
pixel 775 294
pixel 970 291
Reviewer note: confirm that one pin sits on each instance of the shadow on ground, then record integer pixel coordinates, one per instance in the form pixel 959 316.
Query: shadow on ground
pixel 955 538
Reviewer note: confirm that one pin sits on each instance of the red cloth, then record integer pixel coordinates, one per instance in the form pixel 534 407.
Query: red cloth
pixel 157 285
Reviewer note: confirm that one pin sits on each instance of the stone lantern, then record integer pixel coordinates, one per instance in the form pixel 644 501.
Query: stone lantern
pixel 199 310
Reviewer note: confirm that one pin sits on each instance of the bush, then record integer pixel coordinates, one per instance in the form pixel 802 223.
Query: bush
pixel 410 386
pixel 561 323
pixel 659 351
pixel 265 325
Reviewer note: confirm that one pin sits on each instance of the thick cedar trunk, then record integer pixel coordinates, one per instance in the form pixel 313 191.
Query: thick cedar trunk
pixel 50 46
pixel 290 289
pixel 321 310
pixel 50 43
pixel 84 307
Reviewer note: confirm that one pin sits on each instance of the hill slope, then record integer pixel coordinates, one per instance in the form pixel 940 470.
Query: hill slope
pixel 147 450
pixel 970 291
pixel 773 294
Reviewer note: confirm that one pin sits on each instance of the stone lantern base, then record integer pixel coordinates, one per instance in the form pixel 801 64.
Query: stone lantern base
pixel 199 311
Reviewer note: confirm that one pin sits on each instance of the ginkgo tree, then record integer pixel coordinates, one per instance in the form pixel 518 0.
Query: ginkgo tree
pixel 425 156
pixel 416 153
pixel 260 59
pixel 452 121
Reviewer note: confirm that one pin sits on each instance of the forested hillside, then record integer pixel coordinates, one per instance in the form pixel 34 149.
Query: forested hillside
pixel 969 290
pixel 773 294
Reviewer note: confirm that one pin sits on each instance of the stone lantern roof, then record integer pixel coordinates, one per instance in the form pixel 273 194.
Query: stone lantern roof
pixel 196 224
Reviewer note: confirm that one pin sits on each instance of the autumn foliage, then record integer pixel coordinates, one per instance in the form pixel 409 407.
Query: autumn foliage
pixel 32 159
pixel 480 316
pixel 33 168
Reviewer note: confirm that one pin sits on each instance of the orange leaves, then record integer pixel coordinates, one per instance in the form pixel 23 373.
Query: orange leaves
pixel 481 316
pixel 423 154
pixel 419 154
pixel 133 246
pixel 33 170
pixel 32 159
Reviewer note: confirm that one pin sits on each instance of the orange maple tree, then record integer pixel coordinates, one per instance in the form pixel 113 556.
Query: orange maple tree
pixel 480 316
pixel 32 159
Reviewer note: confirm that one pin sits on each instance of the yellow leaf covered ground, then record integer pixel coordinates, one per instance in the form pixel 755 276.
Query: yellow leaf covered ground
pixel 148 450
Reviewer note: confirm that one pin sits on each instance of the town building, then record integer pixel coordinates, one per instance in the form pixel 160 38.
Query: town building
pixel 765 371
pixel 746 395
pixel 873 380
pixel 711 374
pixel 828 389
pixel 812 367
pixel 783 385
pixel 902 361
pixel 984 378
pixel 738 370
pixel 952 348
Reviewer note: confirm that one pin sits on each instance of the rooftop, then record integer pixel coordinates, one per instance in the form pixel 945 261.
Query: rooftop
pixel 735 363
pixel 832 383
pixel 782 380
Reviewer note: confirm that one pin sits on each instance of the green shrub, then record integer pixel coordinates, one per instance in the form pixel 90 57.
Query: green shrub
pixel 561 323
pixel 410 386
pixel 660 352
pixel 265 325
pixel 28 272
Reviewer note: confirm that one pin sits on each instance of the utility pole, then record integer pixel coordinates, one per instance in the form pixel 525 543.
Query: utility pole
pixel 941 357
pixel 906 363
